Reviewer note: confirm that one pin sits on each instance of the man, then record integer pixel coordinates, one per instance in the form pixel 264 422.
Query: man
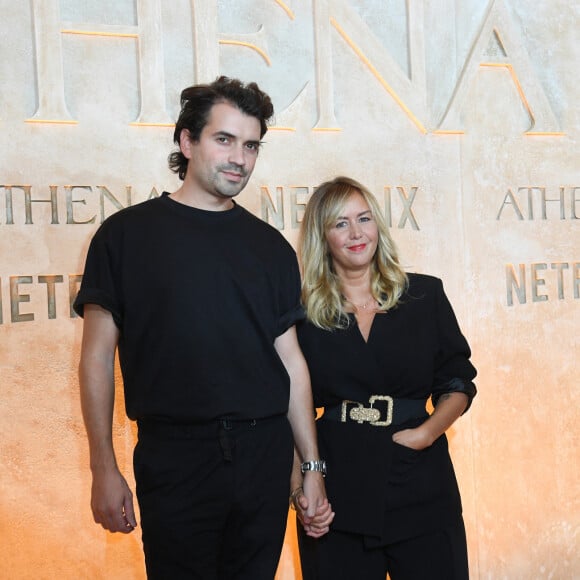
pixel 200 297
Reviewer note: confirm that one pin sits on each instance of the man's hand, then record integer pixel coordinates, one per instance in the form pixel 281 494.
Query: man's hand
pixel 312 506
pixel 112 502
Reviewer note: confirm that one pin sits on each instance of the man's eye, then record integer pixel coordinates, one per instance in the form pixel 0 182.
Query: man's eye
pixel 222 139
pixel 252 146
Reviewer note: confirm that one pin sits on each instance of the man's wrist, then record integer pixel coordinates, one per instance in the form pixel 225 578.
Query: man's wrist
pixel 315 466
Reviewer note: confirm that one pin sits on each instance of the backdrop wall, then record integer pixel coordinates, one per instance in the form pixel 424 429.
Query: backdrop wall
pixel 461 115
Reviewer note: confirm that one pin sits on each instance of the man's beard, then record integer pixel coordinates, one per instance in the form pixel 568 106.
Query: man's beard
pixel 227 188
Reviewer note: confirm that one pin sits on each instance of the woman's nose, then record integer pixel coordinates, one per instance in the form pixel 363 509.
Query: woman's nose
pixel 355 231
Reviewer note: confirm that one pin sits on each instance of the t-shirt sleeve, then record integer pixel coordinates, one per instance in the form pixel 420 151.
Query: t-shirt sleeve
pixel 98 284
pixel 453 369
pixel 291 310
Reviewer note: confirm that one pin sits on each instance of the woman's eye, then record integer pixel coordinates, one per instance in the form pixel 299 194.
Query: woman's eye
pixel 365 218
pixel 340 224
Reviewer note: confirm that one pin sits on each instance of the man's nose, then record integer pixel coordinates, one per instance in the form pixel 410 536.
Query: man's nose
pixel 237 156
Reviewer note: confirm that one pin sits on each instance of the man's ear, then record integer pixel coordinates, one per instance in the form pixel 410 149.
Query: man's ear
pixel 185 143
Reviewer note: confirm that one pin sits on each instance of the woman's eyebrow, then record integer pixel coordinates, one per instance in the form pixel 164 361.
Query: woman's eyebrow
pixel 343 217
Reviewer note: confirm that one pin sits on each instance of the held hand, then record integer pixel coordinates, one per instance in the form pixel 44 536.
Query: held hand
pixel 417 439
pixel 112 502
pixel 313 506
pixel 318 525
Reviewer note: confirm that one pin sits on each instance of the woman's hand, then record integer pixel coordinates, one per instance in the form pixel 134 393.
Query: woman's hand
pixel 418 438
pixel 317 525
pixel 448 409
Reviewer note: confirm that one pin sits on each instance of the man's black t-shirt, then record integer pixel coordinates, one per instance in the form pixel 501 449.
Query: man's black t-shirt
pixel 199 298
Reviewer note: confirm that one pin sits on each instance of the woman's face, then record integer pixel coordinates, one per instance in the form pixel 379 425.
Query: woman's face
pixel 352 239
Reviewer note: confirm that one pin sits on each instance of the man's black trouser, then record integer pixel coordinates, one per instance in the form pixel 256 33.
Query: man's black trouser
pixel 213 498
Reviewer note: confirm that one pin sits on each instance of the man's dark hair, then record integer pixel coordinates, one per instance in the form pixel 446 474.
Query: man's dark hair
pixel 196 104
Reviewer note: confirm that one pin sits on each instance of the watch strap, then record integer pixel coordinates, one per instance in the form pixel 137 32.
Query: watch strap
pixel 317 465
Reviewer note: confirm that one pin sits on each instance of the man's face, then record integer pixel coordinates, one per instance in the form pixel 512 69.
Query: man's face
pixel 223 159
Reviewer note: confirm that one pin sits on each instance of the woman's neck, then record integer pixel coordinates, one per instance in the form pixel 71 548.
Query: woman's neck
pixel 356 285
pixel 356 289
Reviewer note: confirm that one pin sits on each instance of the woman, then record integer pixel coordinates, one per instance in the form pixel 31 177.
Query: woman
pixel 379 343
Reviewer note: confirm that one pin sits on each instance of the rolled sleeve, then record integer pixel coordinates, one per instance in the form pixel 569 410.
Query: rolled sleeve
pixel 98 282
pixel 290 311
pixel 454 371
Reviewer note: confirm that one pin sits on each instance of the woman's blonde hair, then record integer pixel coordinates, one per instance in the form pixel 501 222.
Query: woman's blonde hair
pixel 321 290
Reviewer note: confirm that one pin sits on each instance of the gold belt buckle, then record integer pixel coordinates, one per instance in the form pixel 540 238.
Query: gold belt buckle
pixel 361 414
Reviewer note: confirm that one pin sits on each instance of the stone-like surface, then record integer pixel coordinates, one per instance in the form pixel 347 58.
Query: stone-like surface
pixel 434 108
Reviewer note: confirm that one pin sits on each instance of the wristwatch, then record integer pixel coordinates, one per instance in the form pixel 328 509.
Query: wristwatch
pixel 319 465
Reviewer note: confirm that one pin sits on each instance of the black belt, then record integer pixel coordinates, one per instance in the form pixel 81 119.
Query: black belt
pixel 379 411
pixel 200 429
pixel 224 429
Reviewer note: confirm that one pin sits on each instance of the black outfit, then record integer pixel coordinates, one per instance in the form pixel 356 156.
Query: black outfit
pixel 199 298
pixel 387 496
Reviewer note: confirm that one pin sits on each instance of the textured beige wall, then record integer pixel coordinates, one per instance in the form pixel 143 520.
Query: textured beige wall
pixel 461 115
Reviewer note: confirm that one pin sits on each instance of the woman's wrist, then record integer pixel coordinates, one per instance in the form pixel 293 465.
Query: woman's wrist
pixel 294 496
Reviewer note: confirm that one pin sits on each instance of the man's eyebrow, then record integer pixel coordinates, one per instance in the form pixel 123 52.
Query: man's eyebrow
pixel 224 134
pixel 232 136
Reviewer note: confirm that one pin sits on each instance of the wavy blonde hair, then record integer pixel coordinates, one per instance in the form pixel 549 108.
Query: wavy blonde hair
pixel 321 288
